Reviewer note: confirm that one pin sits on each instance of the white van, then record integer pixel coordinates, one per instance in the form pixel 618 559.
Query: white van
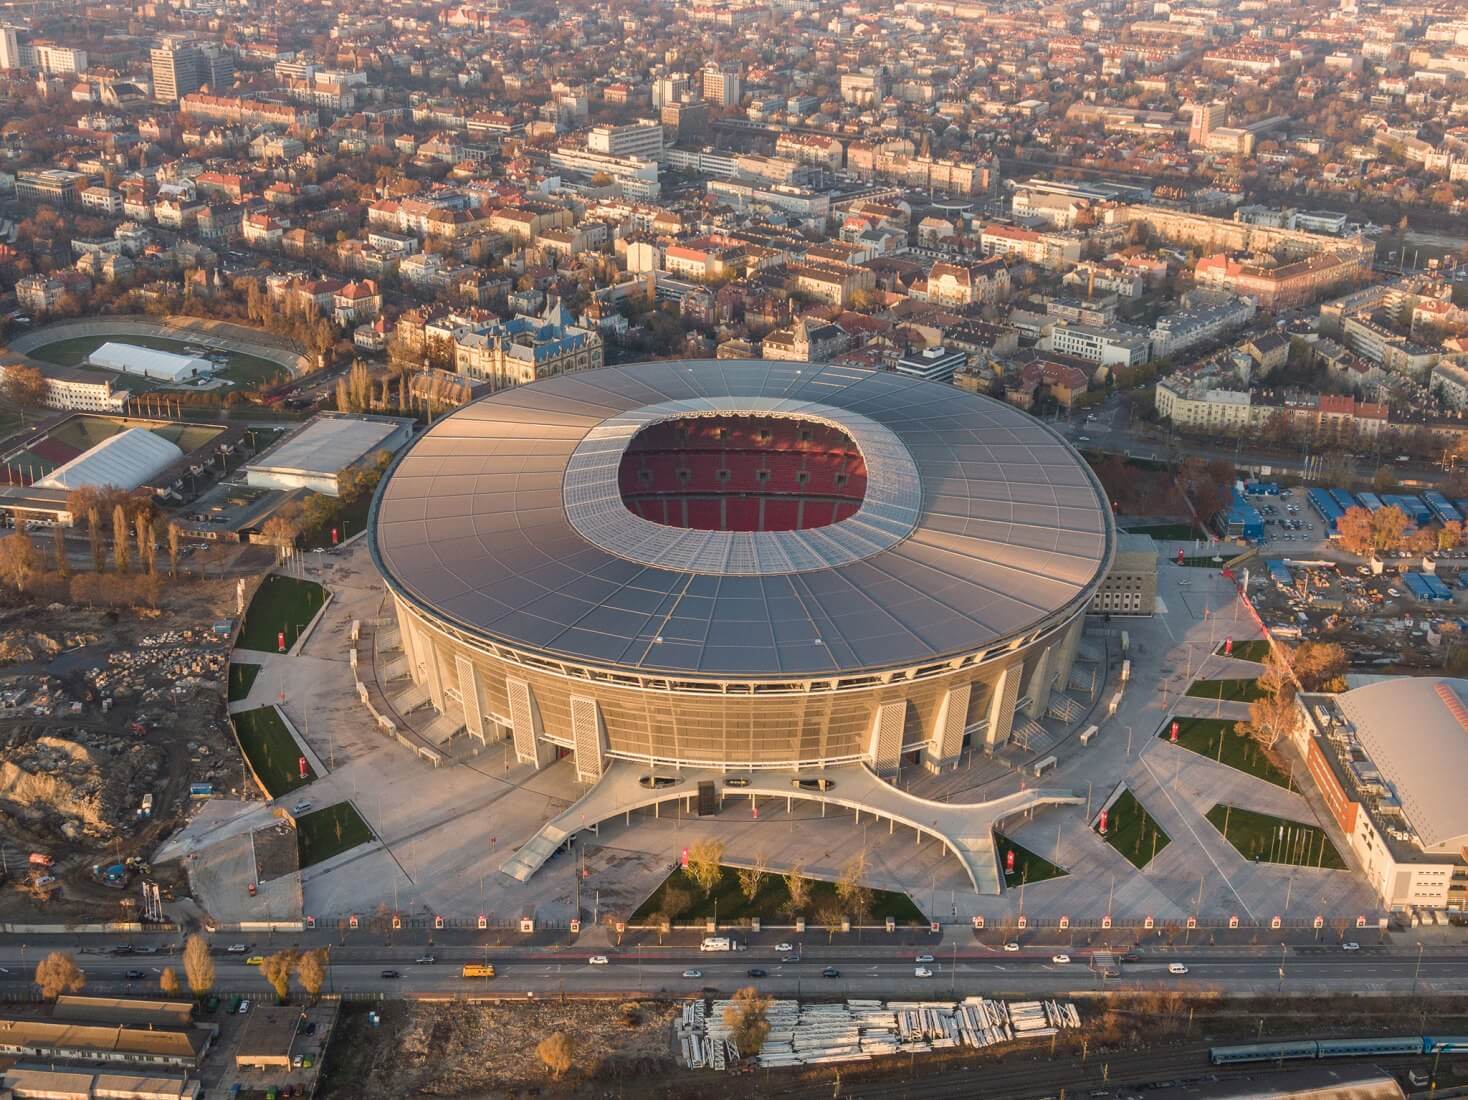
pixel 716 943
pixel 1176 968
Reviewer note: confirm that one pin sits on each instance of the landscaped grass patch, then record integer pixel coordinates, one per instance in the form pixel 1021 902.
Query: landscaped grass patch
pixel 271 750
pixel 1256 650
pixel 1133 832
pixel 1230 691
pixel 1028 867
pixel 1215 738
pixel 281 604
pixel 241 679
pixel 1168 532
pixel 769 904
pixel 349 520
pixel 322 834
pixel 1265 838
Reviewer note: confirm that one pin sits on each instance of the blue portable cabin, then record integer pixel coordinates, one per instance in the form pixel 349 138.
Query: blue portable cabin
pixel 1343 498
pixel 1262 488
pixel 1417 512
pixel 1326 506
pixel 1242 520
pixel 1370 501
pixel 1441 508
pixel 1437 586
pixel 1426 587
pixel 1280 573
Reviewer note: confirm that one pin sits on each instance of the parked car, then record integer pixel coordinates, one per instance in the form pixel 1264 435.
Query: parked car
pixel 693 973
pixel 922 972
pixel 244 1007
pixel 1011 946
pixel 597 960
pixel 1060 959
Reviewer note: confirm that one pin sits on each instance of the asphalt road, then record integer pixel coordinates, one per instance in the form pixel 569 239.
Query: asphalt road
pixel 864 971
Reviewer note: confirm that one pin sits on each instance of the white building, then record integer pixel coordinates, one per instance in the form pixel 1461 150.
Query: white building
pixel 643 139
pixel 124 461
pixel 148 362
pixel 315 456
pixel 75 390
pixel 1111 345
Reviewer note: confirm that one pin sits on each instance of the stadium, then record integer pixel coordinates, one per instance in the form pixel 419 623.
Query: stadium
pixel 748 566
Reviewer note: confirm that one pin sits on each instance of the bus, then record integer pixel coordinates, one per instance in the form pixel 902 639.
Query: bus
pixel 478 970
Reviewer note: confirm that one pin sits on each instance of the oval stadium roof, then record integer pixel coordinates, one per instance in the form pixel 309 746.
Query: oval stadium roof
pixel 1009 529
pixel 125 460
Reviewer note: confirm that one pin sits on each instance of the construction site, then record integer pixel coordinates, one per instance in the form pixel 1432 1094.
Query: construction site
pixel 108 719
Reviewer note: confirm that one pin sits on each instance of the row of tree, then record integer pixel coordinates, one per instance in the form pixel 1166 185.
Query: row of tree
pixel 1313 666
pixel 58 972
pixel 1387 529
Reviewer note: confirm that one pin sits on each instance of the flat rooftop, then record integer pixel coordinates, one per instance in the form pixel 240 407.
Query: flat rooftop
pixel 328 444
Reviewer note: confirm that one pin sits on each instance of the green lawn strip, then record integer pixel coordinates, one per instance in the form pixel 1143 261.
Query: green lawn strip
pixel 1028 867
pixel 1256 650
pixel 241 679
pixel 1215 738
pixel 1265 838
pixel 322 834
pixel 1133 832
pixel 350 518
pixel 1169 532
pixel 271 750
pixel 769 904
pixel 280 604
pixel 1230 691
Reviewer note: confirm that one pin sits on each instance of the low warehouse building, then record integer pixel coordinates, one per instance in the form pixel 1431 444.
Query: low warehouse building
pixel 25 1083
pixel 1388 759
pixel 315 457
pixel 165 366
pixel 266 1040
pixel 124 461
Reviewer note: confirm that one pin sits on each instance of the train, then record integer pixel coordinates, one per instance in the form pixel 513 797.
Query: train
pixel 1340 1048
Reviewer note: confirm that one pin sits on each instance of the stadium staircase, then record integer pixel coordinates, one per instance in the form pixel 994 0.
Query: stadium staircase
pixel 1032 737
pixel 1065 709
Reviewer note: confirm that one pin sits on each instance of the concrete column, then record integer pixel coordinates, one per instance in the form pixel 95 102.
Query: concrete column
pixel 884 743
pixel 1001 707
pixel 525 726
pixel 427 646
pixel 945 739
pixel 410 645
pixel 1038 689
pixel 1068 648
pixel 589 735
pixel 469 696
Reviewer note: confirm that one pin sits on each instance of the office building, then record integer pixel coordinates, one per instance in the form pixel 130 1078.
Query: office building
pixel 933 364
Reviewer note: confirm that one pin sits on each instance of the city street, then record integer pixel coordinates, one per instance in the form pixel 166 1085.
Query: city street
pixel 959 969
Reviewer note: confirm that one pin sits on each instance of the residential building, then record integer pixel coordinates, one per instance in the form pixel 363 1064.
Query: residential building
pixel 933 364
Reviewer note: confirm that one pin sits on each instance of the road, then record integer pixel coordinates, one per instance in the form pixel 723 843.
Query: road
pixel 864 971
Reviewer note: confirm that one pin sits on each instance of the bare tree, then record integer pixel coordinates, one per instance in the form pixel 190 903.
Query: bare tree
pixel 830 916
pixel 747 1017
pixel 147 542
pixel 558 1052
pixel 58 542
pixel 753 877
pixel 58 973
pixel 798 887
pixel 198 965
pixel 24 386
pixel 175 537
pixel 168 983
pixel 854 895
pixel 120 554
pixel 705 863
pixel 20 561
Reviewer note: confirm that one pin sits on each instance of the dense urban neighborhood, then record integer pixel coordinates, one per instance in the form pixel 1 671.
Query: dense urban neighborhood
pixel 777 547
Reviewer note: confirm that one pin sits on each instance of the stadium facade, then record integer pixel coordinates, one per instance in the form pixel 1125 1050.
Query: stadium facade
pixel 740 565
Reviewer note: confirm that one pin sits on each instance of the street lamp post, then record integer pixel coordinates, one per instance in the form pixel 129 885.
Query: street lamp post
pixel 1417 970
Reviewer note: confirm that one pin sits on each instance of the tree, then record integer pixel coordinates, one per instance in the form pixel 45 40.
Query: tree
pixel 147 542
pixel 24 386
pixel 1449 535
pixel 798 887
pixel 277 969
pixel 20 561
pixel 1321 666
pixel 175 537
pixel 1388 527
pixel 704 857
pixel 198 965
pixel 1356 531
pixel 120 554
pixel 558 1052
pixel 58 973
pixel 830 916
pixel 747 1017
pixel 311 971
pixel 58 543
pixel 1271 718
pixel 168 982
pixel 1384 480
pixel 853 894
pixel 752 878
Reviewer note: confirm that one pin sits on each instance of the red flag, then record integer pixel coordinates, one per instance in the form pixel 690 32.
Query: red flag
pixel 1173 738
pixel 1009 862
pixel 1103 822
